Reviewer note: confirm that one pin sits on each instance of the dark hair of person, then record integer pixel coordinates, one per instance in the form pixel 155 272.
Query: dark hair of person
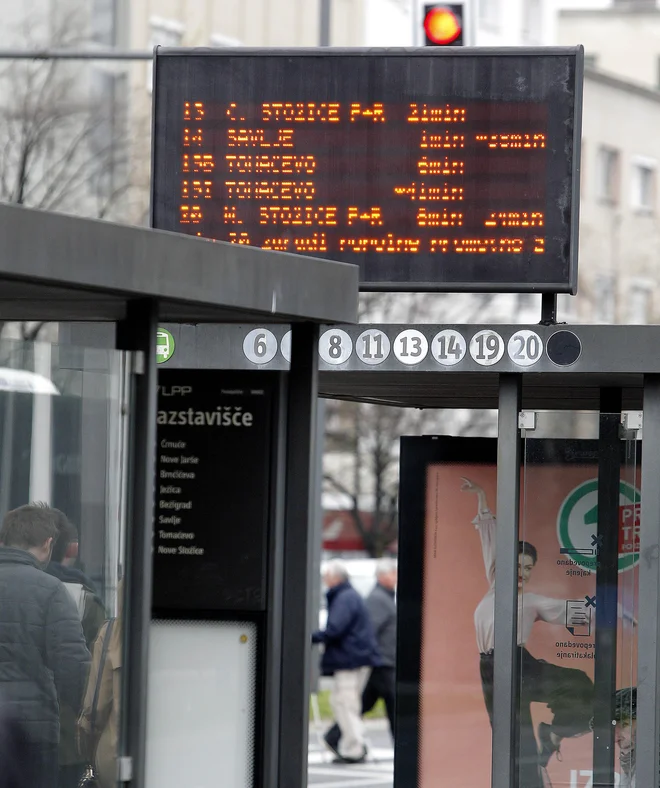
pixel 27 527
pixel 625 707
pixel 66 531
pixel 525 548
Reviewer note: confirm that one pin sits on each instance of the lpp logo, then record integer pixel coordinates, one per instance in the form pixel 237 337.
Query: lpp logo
pixel 174 391
pixel 577 525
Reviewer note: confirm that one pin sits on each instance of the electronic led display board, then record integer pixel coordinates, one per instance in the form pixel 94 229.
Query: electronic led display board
pixel 432 169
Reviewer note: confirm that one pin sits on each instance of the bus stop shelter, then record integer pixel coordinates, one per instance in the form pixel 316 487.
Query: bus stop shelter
pixel 608 374
pixel 65 269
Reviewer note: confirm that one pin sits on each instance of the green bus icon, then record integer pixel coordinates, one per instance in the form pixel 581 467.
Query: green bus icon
pixel 164 345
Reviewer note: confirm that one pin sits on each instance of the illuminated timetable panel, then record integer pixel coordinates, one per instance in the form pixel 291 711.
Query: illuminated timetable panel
pixel 431 169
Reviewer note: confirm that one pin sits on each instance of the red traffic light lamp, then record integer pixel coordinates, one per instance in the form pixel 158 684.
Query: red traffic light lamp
pixel 443 25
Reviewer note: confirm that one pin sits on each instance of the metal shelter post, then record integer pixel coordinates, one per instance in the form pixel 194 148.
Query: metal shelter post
pixel 299 522
pixel 648 669
pixel 506 584
pixel 138 334
pixel 607 576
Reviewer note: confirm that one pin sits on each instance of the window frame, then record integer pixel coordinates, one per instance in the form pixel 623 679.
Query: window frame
pixel 643 164
pixel 608 179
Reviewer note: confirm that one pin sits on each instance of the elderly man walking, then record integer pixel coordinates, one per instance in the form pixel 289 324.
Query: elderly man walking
pixel 382 611
pixel 350 652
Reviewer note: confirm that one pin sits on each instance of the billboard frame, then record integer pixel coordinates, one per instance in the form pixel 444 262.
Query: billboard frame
pixel 569 286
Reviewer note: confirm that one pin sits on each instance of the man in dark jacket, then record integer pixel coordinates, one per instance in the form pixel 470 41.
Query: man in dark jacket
pixel 350 651
pixel 43 657
pixel 382 612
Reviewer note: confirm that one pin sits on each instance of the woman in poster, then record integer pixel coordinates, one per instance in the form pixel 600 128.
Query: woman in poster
pixel 568 692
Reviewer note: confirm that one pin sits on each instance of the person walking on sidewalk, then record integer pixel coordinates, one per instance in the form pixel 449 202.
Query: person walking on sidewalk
pixel 382 612
pixel 350 652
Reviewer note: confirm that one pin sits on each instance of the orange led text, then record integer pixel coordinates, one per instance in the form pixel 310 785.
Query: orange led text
pixel 298 214
pixel 424 193
pixel 276 163
pixel 512 140
pixel 271 190
pixel 376 112
pixel 372 215
pixel 515 219
pixel 260 138
pixel 300 112
pixel 422 113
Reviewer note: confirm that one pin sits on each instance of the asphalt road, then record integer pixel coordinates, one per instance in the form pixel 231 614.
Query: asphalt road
pixel 375 773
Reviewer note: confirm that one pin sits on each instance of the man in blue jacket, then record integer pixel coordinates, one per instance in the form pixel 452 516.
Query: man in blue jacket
pixel 350 651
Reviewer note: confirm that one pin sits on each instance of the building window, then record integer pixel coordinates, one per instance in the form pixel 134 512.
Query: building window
pixel 604 300
pixel 103 20
pixel 164 33
pixel 643 184
pixel 489 13
pixel 608 174
pixel 533 21
pixel 639 302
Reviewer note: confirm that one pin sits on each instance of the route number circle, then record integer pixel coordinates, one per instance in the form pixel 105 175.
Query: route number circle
pixel 373 346
pixel 487 347
pixel 525 348
pixel 411 347
pixel 335 346
pixel 285 346
pixel 448 347
pixel 260 346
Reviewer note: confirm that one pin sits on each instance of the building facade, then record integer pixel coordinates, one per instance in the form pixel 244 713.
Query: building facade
pixel 619 207
pixel 623 39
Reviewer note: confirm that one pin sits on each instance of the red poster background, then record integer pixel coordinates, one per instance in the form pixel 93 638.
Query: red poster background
pixel 455 735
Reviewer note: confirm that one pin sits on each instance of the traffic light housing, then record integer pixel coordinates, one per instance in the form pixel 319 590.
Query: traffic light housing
pixel 443 24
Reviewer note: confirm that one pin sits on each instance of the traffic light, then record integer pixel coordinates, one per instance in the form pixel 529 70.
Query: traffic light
pixel 443 24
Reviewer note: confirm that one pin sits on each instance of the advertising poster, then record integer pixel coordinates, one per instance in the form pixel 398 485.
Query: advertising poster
pixel 557 604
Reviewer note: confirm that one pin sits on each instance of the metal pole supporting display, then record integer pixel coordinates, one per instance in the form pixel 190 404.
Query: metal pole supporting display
pixel 506 585
pixel 607 575
pixel 324 25
pixel 299 522
pixel 648 667
pixel 137 333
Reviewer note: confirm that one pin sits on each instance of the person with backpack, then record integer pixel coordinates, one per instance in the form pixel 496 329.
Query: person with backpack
pixel 92 617
pixel 98 725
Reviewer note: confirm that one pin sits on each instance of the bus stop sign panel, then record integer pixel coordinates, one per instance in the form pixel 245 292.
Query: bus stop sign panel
pixel 430 169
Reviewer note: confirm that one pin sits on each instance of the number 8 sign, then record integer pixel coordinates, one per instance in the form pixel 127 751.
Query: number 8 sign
pixel 335 346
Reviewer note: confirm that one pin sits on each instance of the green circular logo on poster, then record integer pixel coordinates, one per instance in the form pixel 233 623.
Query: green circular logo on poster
pixel 164 345
pixel 577 525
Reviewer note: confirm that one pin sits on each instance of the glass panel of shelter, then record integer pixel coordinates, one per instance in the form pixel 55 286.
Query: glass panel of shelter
pixel 62 473
pixel 578 592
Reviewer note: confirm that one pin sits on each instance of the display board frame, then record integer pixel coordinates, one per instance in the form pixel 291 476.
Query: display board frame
pixel 565 195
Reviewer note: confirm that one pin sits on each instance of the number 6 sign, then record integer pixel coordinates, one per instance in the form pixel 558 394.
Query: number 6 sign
pixel 260 346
